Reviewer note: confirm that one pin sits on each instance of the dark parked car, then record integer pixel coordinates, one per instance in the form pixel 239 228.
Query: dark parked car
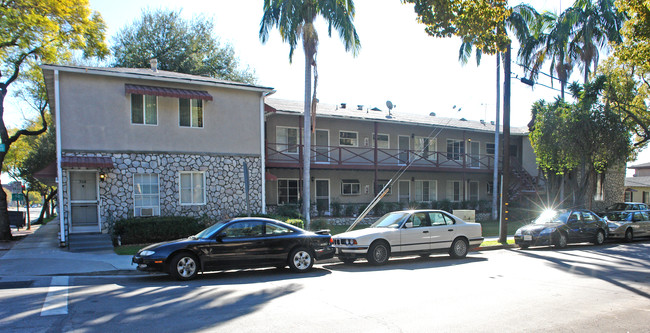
pixel 560 227
pixel 238 243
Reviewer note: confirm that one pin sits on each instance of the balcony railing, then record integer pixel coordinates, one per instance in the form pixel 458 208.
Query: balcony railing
pixel 287 155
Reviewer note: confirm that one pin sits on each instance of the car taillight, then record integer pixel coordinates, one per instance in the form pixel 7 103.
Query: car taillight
pixel 331 241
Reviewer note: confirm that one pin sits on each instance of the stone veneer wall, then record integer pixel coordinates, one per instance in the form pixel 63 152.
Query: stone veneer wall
pixel 224 184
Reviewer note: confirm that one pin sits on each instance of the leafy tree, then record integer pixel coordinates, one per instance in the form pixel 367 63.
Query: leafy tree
pixel 581 139
pixel 40 30
pixel 179 45
pixel 295 22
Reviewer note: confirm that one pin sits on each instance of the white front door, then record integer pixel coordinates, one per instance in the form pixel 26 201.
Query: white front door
pixel 84 203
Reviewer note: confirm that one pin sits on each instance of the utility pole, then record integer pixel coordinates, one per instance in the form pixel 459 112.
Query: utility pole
pixel 503 232
pixel 497 132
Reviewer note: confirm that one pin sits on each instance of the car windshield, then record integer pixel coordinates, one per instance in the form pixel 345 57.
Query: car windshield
pixel 390 220
pixel 209 231
pixel 619 216
pixel 552 216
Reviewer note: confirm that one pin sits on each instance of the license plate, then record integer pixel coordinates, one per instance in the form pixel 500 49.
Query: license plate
pixel 528 237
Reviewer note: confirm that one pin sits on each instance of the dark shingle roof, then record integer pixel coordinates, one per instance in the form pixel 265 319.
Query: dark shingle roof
pixel 637 181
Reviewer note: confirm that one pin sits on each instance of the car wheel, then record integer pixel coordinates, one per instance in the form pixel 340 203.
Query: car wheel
pixel 183 266
pixel 378 253
pixel 561 241
pixel 600 238
pixel 629 235
pixel 523 246
pixel 348 261
pixel 300 260
pixel 458 248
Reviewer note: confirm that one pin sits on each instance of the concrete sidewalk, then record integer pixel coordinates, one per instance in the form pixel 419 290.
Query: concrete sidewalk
pixel 40 254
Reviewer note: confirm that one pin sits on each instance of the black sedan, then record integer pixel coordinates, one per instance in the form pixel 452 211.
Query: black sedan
pixel 238 243
pixel 560 227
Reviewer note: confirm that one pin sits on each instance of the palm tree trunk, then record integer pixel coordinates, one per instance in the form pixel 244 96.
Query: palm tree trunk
pixel 306 176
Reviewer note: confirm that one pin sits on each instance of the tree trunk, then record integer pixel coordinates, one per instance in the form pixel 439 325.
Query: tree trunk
pixel 306 176
pixel 5 230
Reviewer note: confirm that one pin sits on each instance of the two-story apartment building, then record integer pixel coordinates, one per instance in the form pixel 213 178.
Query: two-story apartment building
pixel 141 142
pixel 356 150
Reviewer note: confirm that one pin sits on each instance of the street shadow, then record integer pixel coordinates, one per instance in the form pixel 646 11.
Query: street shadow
pixel 403 263
pixel 625 263
pixel 234 277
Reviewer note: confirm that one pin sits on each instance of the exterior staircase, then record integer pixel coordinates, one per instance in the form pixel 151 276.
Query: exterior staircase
pixel 521 182
pixel 90 242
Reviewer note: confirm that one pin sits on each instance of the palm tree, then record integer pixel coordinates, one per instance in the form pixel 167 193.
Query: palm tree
pixel 295 21
pixel 549 40
pixel 594 25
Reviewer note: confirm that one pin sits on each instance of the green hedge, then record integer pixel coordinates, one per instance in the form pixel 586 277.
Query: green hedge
pixel 143 230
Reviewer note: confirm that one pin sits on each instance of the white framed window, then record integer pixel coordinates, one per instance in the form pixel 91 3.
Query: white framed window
pixel 490 187
pixel 348 139
pixel 350 187
pixel 628 195
pixel 383 141
pixel 192 185
pixel 426 148
pixel 454 190
pixel 380 186
pixel 144 109
pixel 286 139
pixel 426 190
pixel 146 194
pixel 489 148
pixel 455 149
pixel 190 112
pixel 288 191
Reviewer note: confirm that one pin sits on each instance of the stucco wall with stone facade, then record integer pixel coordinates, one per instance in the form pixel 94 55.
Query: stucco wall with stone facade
pixel 224 184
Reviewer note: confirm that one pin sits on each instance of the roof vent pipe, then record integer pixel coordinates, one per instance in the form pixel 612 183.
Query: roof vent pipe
pixel 154 64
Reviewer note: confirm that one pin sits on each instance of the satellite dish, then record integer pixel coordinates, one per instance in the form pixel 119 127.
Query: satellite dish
pixel 390 105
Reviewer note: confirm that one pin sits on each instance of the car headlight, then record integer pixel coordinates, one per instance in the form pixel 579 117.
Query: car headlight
pixel 546 231
pixel 146 253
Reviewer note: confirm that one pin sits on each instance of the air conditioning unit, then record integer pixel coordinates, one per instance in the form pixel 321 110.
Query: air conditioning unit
pixel 146 211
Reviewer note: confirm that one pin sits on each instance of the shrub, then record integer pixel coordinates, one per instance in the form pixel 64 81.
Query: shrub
pixel 142 230
pixel 296 222
pixel 336 209
pixel 349 210
pixel 291 211
pixel 319 224
pixel 379 208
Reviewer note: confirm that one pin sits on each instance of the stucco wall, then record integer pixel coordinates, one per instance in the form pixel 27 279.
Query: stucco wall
pixel 96 116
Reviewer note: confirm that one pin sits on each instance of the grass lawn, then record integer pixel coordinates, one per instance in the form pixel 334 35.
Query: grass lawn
pixel 128 250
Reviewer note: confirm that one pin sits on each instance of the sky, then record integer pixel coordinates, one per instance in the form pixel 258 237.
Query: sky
pixel 397 61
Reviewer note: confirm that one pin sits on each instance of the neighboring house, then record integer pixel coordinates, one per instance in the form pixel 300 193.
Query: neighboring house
pixel 143 142
pixel 637 187
pixel 356 150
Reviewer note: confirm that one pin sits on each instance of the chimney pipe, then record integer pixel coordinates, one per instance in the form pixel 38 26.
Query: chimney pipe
pixel 154 64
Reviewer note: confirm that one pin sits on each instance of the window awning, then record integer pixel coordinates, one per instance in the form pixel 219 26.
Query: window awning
pixel 167 92
pixel 86 162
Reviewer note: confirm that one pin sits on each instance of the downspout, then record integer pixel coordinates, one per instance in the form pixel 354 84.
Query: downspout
pixel 59 171
pixel 263 153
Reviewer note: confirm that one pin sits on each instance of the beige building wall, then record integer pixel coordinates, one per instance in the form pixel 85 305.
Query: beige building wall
pixel 96 116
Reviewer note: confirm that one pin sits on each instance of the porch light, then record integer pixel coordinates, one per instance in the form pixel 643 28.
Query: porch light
pixel 102 176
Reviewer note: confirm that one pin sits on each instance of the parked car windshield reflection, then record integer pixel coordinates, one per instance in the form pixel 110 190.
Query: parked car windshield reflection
pixel 552 216
pixel 206 233
pixel 620 216
pixel 390 220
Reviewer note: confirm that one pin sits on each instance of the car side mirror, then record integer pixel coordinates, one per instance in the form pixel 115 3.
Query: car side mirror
pixel 219 237
pixel 408 225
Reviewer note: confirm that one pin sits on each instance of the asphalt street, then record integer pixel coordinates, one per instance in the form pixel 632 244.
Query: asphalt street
pixel 583 288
